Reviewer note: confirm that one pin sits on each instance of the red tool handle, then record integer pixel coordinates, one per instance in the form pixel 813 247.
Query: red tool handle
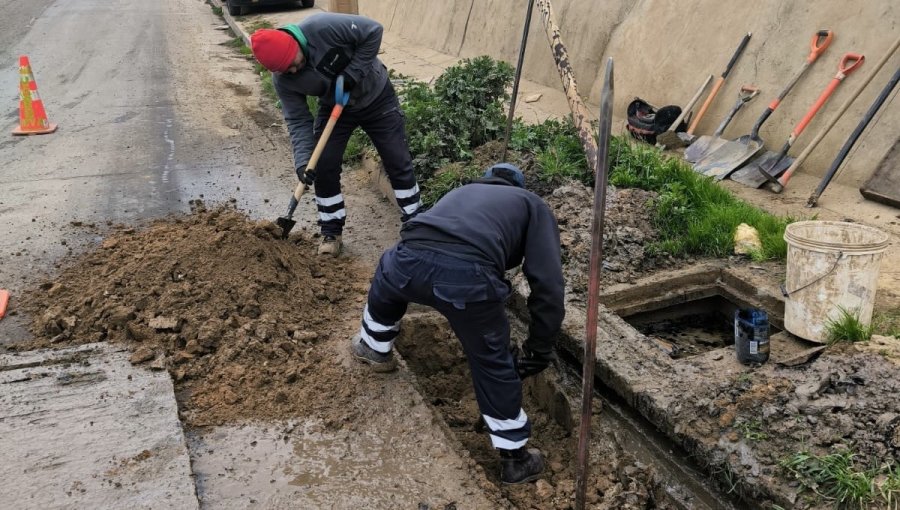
pixel 819 43
pixel 4 300
pixel 844 68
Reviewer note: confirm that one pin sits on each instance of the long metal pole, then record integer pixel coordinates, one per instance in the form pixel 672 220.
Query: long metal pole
pixel 590 334
pixel 515 90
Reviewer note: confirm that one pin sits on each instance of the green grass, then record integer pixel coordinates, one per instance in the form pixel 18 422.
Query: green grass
pixel 217 10
pixel 837 478
pixel 449 178
pixel 695 216
pixel 847 328
pixel 887 323
pixel 258 24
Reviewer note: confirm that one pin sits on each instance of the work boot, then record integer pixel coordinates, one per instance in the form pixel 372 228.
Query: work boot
pixel 330 245
pixel 365 354
pixel 520 466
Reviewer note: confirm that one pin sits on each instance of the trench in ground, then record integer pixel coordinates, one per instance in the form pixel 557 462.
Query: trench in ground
pixel 629 458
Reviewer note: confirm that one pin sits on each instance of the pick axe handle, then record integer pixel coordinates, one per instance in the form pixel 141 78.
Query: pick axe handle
pixel 719 82
pixel 691 103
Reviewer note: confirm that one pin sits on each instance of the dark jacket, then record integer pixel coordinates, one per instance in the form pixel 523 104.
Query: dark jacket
pixel 336 44
pixel 500 225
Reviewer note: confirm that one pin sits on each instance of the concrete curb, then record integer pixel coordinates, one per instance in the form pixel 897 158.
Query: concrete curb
pixel 235 27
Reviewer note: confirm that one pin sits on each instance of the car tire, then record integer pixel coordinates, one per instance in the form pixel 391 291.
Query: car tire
pixel 307 3
pixel 235 10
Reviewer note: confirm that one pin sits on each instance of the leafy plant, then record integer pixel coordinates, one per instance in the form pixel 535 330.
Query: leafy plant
pixel 847 327
pixel 751 430
pixel 463 111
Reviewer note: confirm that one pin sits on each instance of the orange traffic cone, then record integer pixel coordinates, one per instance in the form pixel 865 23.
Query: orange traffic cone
pixel 32 117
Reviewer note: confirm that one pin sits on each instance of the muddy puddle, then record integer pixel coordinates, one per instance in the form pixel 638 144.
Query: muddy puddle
pixel 631 465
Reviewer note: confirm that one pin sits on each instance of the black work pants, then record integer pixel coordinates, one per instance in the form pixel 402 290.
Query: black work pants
pixel 472 297
pixel 384 122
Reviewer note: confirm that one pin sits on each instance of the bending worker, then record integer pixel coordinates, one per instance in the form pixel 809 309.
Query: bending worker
pixel 305 60
pixel 453 258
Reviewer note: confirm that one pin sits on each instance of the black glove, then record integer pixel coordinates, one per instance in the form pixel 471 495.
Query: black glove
pixel 306 178
pixel 531 363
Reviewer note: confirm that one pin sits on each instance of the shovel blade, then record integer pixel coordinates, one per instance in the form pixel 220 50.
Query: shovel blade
pixel 286 224
pixel 750 175
pixel 728 158
pixel 702 146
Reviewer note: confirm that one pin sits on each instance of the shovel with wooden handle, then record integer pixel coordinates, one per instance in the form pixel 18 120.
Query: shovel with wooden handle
pixel 770 165
pixel 732 155
pixel 719 82
pixel 707 143
pixel 287 221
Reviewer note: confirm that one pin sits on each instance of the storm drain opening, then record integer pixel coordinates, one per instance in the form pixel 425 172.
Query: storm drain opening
pixel 687 317
pixel 692 328
pixel 617 479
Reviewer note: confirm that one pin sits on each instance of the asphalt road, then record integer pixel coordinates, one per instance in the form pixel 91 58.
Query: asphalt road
pixel 153 111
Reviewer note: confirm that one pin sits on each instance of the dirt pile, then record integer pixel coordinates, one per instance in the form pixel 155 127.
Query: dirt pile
pixel 845 401
pixel 628 231
pixel 239 317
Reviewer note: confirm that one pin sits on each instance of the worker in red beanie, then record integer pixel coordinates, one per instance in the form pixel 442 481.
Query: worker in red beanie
pixel 306 60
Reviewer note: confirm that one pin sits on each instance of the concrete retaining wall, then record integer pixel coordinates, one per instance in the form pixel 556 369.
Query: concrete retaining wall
pixel 664 50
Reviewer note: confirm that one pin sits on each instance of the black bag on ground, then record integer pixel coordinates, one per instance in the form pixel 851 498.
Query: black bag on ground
pixel 645 122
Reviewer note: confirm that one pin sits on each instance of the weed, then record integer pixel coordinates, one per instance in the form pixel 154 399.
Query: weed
pixel 357 145
pixel 751 430
pixel 258 24
pixel 449 178
pixel 236 42
pixel 217 10
pixel 836 477
pixel 265 76
pixel 847 328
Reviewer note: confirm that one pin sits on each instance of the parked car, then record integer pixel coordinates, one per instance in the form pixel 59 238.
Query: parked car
pixel 241 7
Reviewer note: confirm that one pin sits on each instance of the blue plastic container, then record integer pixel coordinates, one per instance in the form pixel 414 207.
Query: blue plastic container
pixel 751 335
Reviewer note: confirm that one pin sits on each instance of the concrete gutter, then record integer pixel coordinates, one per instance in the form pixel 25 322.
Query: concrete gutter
pixel 229 19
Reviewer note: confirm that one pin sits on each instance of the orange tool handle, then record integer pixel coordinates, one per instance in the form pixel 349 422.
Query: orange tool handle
pixel 844 68
pixel 4 300
pixel 819 43
pixel 709 99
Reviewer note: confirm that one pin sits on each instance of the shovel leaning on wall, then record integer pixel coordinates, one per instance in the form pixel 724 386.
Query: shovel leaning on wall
pixel 707 143
pixel 734 154
pixel 770 165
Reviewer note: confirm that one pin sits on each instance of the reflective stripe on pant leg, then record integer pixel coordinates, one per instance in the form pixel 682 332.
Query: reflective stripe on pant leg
pixel 380 337
pixel 331 208
pixel 385 125
pixel 385 306
pixel 329 201
pixel 508 434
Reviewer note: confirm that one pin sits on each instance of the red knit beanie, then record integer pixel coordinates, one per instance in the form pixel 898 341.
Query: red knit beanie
pixel 274 49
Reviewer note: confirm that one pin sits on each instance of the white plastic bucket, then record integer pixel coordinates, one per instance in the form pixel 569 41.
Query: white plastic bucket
pixel 830 265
